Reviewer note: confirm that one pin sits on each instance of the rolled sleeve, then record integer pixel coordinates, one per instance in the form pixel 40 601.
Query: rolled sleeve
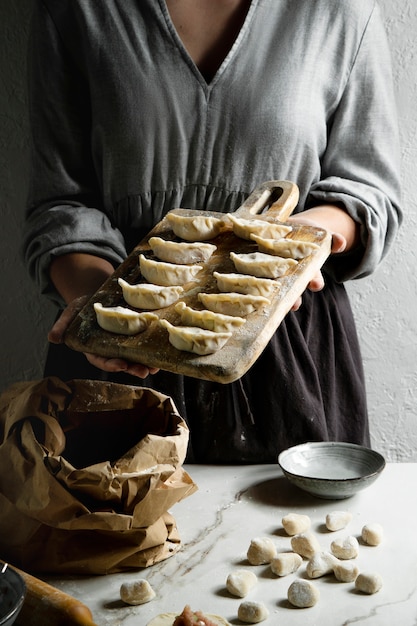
pixel 361 165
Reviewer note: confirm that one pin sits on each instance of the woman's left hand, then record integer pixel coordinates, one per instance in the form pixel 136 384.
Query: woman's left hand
pixel 344 231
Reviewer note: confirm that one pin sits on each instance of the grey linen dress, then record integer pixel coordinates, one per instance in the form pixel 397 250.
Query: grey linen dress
pixel 125 128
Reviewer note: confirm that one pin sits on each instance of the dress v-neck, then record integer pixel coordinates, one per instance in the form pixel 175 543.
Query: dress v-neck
pixel 208 85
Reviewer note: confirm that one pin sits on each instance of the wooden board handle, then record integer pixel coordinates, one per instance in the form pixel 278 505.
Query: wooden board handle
pixel 278 197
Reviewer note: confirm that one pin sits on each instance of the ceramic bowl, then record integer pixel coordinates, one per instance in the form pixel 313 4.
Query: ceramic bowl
pixel 331 470
pixel 12 595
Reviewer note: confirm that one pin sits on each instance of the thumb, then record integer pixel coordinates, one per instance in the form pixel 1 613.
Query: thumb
pixel 57 332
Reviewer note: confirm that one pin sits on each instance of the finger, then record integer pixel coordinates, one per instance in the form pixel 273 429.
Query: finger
pixel 141 371
pixel 112 365
pixel 338 243
pixel 317 283
pixel 57 332
pixel 297 304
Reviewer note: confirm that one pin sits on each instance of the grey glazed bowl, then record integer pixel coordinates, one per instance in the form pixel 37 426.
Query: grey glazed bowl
pixel 331 470
pixel 12 595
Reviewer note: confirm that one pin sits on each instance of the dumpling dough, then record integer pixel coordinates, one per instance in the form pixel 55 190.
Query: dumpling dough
pixel 195 227
pixel 262 265
pixel 252 612
pixel 137 592
pixel 167 274
pixel 118 319
pixel 244 228
pixel 261 551
pixel 193 339
pixel 145 296
pixel 235 304
pixel 209 320
pixel 245 283
pixel 181 252
pixel 286 248
pixel 240 582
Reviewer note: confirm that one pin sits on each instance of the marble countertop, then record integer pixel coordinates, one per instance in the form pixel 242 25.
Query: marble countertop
pixel 235 504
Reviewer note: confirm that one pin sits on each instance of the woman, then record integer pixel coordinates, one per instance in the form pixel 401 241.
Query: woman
pixel 140 107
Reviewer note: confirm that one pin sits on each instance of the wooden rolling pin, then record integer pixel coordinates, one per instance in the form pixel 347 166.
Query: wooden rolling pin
pixel 45 605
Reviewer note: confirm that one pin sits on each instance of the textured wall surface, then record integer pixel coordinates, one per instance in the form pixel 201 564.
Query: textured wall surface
pixel 384 304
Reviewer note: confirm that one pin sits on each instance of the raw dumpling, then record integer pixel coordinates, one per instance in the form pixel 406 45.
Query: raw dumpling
pixel 244 283
pixel 195 227
pixel 197 340
pixel 236 304
pixel 122 321
pixel 181 252
pixel 145 296
pixel 262 265
pixel 209 320
pixel 244 228
pixel 166 274
pixel 286 248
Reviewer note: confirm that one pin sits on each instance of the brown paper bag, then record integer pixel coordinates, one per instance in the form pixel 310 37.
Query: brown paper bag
pixel 88 472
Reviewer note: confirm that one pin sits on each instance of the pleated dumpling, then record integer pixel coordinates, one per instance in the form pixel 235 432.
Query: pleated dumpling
pixel 244 228
pixel 194 339
pixel 181 252
pixel 235 304
pixel 195 227
pixel 122 321
pixel 146 296
pixel 262 265
pixel 207 319
pixel 245 283
pixel 167 274
pixel 286 248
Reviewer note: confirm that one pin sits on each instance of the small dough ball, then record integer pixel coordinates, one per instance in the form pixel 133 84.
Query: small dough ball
pixel 320 564
pixel 286 563
pixel 345 571
pixel 252 612
pixel 372 534
pixel 240 582
pixel 305 544
pixel 137 592
pixel 345 548
pixel 367 582
pixel 303 594
pixel 295 523
pixel 336 520
pixel 261 550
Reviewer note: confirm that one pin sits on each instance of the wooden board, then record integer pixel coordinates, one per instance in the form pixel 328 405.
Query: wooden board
pixel 152 347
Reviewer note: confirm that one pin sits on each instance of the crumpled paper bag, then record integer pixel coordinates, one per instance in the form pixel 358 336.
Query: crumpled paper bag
pixel 88 473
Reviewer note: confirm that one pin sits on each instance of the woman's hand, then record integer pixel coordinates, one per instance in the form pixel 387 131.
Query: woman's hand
pixel 74 276
pixel 57 332
pixel 344 231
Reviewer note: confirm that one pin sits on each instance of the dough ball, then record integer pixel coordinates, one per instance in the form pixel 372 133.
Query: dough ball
pixel 320 564
pixel 345 548
pixel 337 520
pixel 346 571
pixel 372 534
pixel 261 550
pixel 295 523
pixel 137 592
pixel 240 582
pixel 369 583
pixel 286 563
pixel 252 612
pixel 305 544
pixel 303 594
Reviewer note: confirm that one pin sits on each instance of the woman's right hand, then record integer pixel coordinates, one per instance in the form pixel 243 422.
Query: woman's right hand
pixel 57 333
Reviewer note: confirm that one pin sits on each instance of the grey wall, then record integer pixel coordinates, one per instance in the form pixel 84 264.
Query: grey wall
pixel 384 304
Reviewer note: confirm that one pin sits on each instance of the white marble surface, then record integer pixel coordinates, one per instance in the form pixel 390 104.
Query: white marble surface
pixel 234 505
